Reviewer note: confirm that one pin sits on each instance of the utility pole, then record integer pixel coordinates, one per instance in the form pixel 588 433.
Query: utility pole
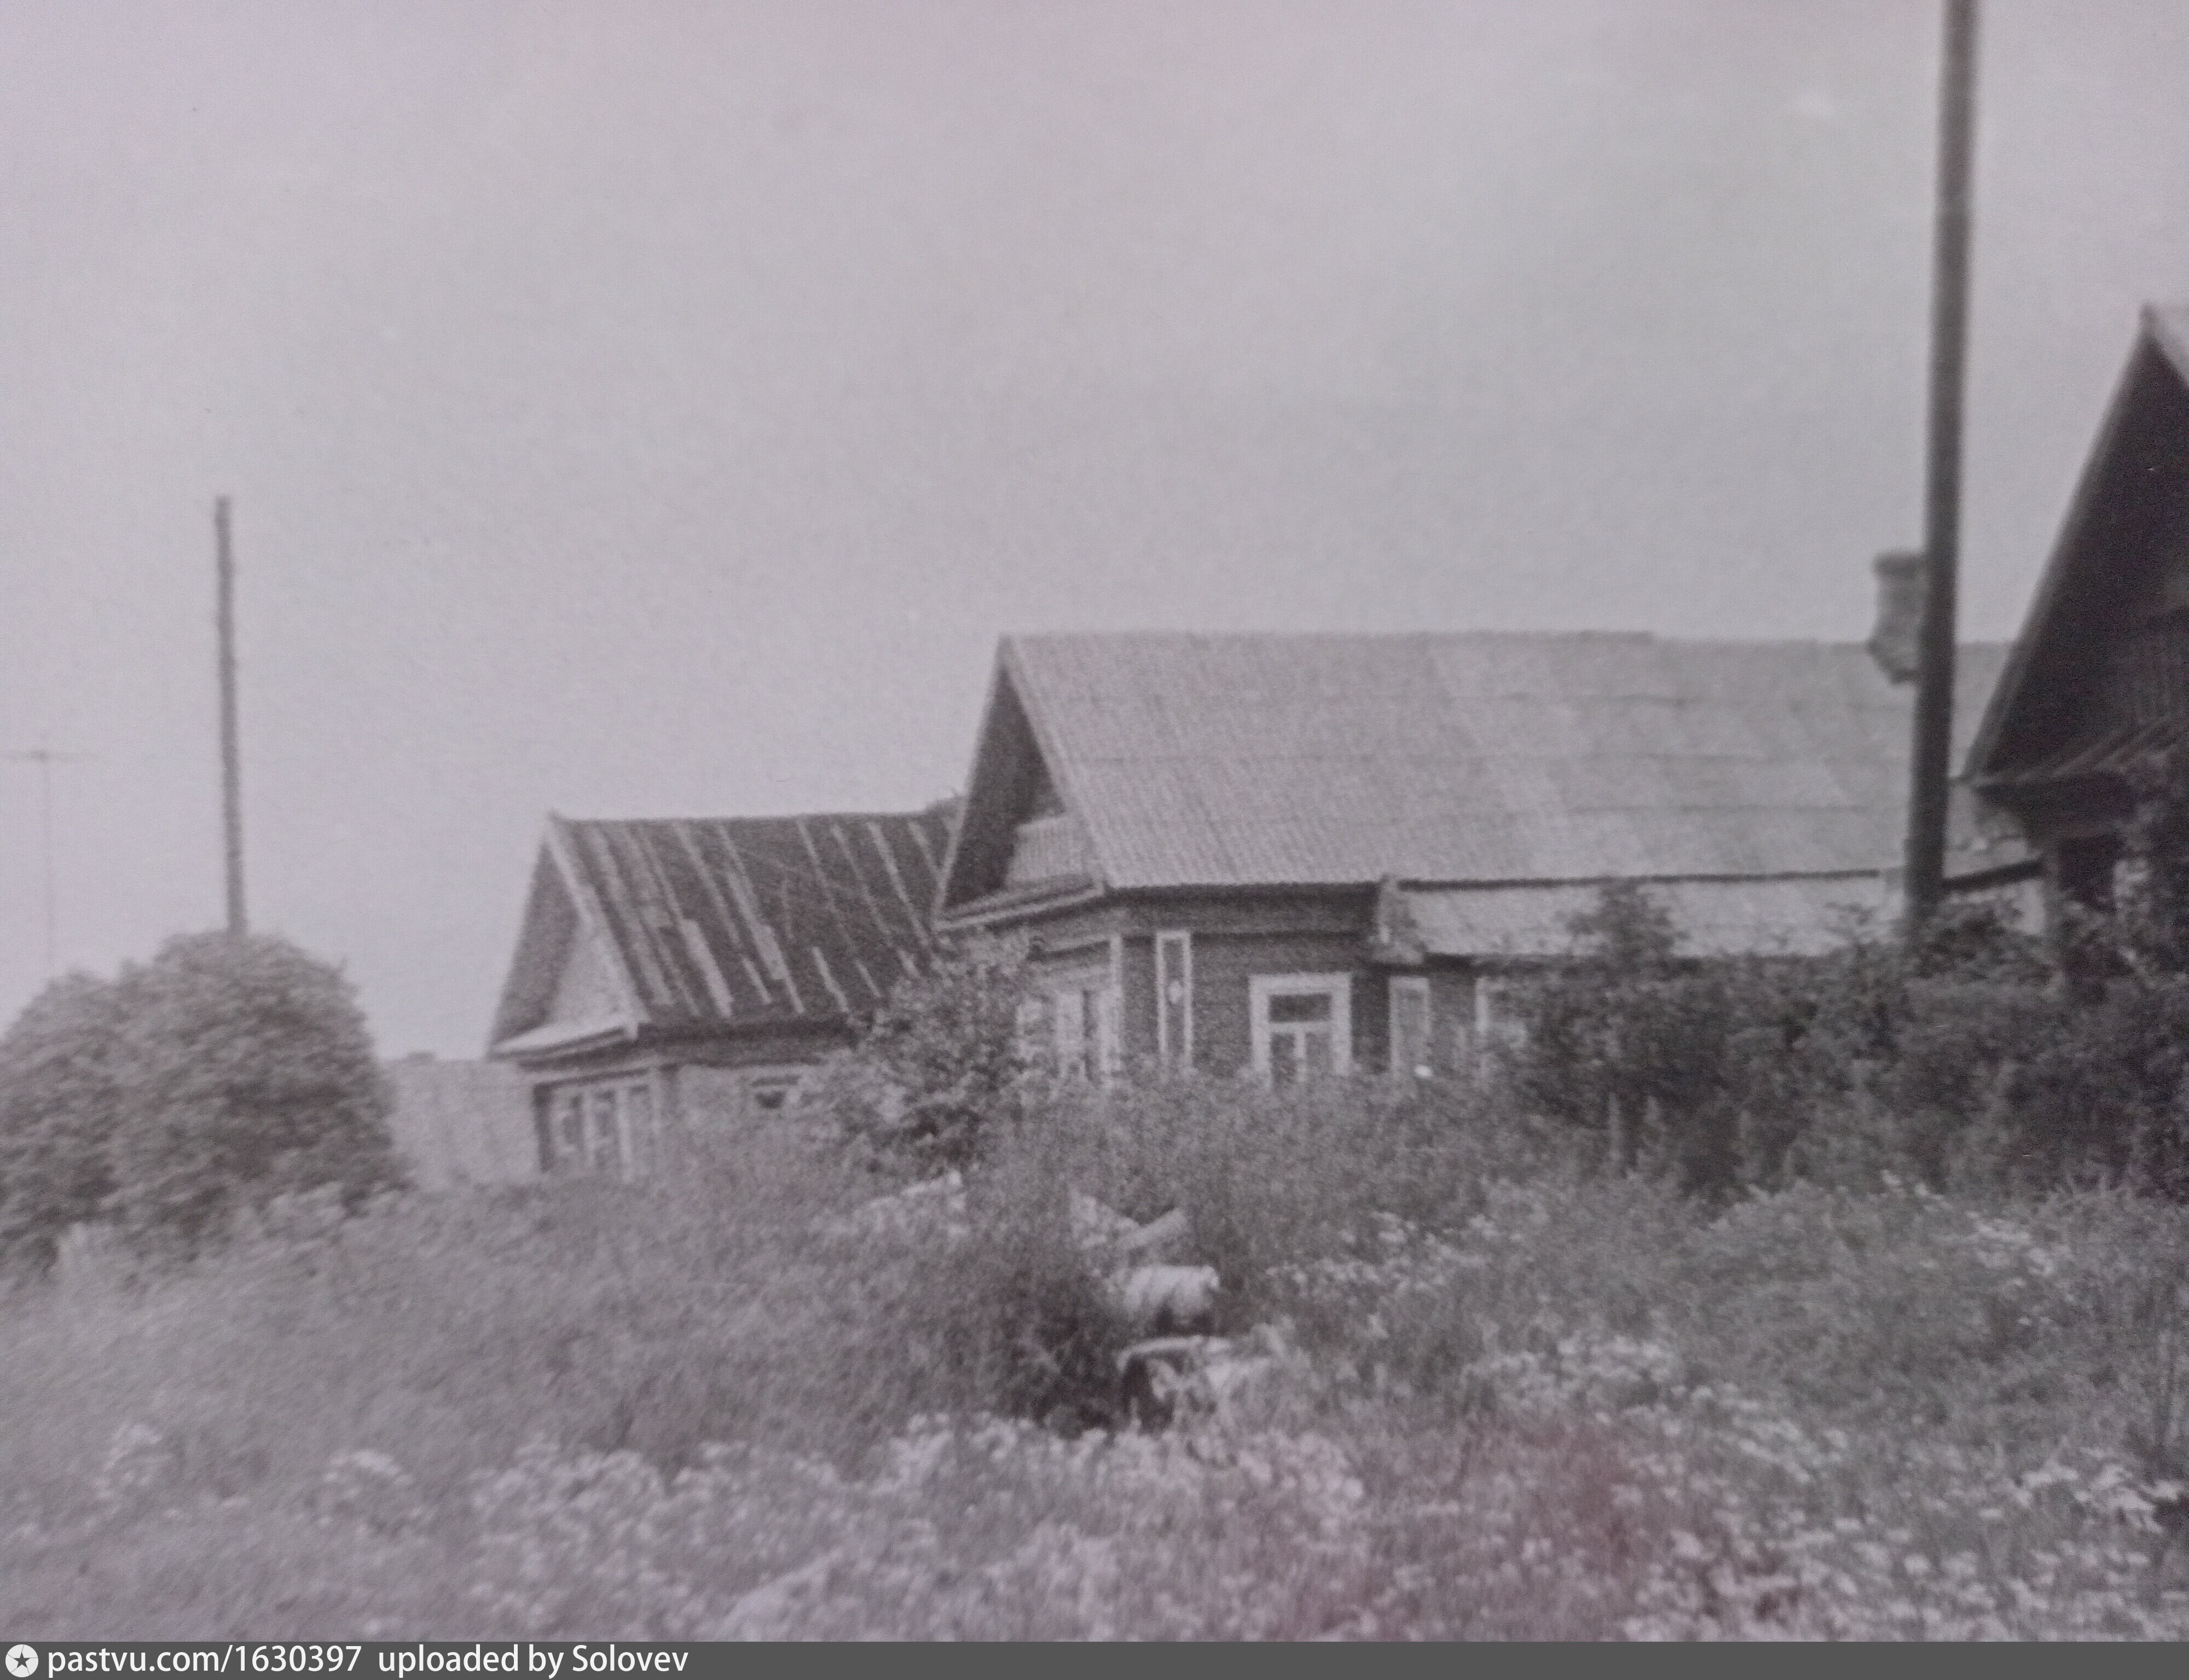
pixel 46 758
pixel 1930 762
pixel 231 758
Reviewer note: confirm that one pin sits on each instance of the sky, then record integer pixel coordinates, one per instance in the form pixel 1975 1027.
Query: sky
pixel 661 409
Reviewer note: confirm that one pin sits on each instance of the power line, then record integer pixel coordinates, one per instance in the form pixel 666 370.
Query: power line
pixel 46 758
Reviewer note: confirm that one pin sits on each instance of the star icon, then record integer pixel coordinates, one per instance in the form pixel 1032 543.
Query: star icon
pixel 22 1662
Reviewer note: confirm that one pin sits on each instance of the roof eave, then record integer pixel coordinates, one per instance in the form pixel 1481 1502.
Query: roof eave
pixel 1021 904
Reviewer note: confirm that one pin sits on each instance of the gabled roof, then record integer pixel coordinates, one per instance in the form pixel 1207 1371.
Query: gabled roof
pixel 712 924
pixel 1326 760
pixel 2137 463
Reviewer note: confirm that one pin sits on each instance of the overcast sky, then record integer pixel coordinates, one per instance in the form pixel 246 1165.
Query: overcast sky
pixel 659 409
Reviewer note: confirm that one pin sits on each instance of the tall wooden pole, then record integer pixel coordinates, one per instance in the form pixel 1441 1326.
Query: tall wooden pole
pixel 1931 766
pixel 231 758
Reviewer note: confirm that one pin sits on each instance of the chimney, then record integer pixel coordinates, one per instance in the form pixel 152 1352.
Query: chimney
pixel 1900 590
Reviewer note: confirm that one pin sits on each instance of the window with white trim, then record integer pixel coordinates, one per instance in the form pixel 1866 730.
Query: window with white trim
pixel 1070 1025
pixel 602 1127
pixel 1303 1026
pixel 1411 1025
pixel 1175 999
pixel 1086 1021
pixel 1497 1025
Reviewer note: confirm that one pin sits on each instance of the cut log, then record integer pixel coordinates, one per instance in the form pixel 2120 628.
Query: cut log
pixel 1165 1238
pixel 1167 1299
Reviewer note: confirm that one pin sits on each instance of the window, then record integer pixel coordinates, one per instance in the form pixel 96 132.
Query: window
pixel 604 1127
pixel 603 1130
pixel 1175 999
pixel 1303 1026
pixel 1067 1013
pixel 1032 1029
pixel 1067 1022
pixel 638 1137
pixel 1083 1016
pixel 1410 1025
pixel 1496 1025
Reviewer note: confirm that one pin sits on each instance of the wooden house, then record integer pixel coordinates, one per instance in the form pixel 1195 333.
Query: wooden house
pixel 2099 677
pixel 692 970
pixel 1290 853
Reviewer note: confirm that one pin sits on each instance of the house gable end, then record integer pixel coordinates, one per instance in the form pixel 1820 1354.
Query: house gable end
pixel 2117 585
pixel 561 975
pixel 583 992
pixel 1018 833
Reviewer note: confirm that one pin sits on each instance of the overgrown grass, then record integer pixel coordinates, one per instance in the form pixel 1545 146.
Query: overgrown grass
pixel 1497 1395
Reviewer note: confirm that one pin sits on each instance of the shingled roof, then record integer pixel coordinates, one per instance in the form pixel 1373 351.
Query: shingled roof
pixel 724 923
pixel 1318 759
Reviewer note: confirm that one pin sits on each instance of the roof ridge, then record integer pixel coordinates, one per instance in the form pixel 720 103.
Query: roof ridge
pixel 1659 637
pixel 922 813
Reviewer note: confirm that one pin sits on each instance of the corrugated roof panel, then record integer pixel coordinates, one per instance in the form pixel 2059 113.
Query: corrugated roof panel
pixel 1236 759
pixel 749 920
pixel 1709 917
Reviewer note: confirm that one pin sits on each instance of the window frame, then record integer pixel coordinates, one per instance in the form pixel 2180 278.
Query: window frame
pixel 1496 1028
pixel 1424 1063
pixel 1179 940
pixel 1337 986
pixel 617 1128
pixel 1077 1022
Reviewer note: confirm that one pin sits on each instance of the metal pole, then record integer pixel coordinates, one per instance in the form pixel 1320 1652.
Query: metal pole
pixel 231 770
pixel 1931 767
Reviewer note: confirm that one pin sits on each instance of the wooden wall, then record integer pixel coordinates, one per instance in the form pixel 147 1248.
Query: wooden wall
pixel 463 1123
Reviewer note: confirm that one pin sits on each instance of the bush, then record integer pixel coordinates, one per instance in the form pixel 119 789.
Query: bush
pixel 1544 1403
pixel 1022 1324
pixel 244 1071
pixel 59 1100
pixel 1629 1041
pixel 939 1068
pixel 1269 1176
pixel 1957 1059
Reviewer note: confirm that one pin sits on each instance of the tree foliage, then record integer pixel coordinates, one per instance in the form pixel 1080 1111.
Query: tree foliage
pixel 1968 1051
pixel 246 1073
pixel 939 1065
pixel 223 1074
pixel 59 1101
pixel 1756 1070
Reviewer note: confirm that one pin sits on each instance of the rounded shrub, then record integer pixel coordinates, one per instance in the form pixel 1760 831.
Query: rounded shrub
pixel 244 1071
pixel 59 1100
